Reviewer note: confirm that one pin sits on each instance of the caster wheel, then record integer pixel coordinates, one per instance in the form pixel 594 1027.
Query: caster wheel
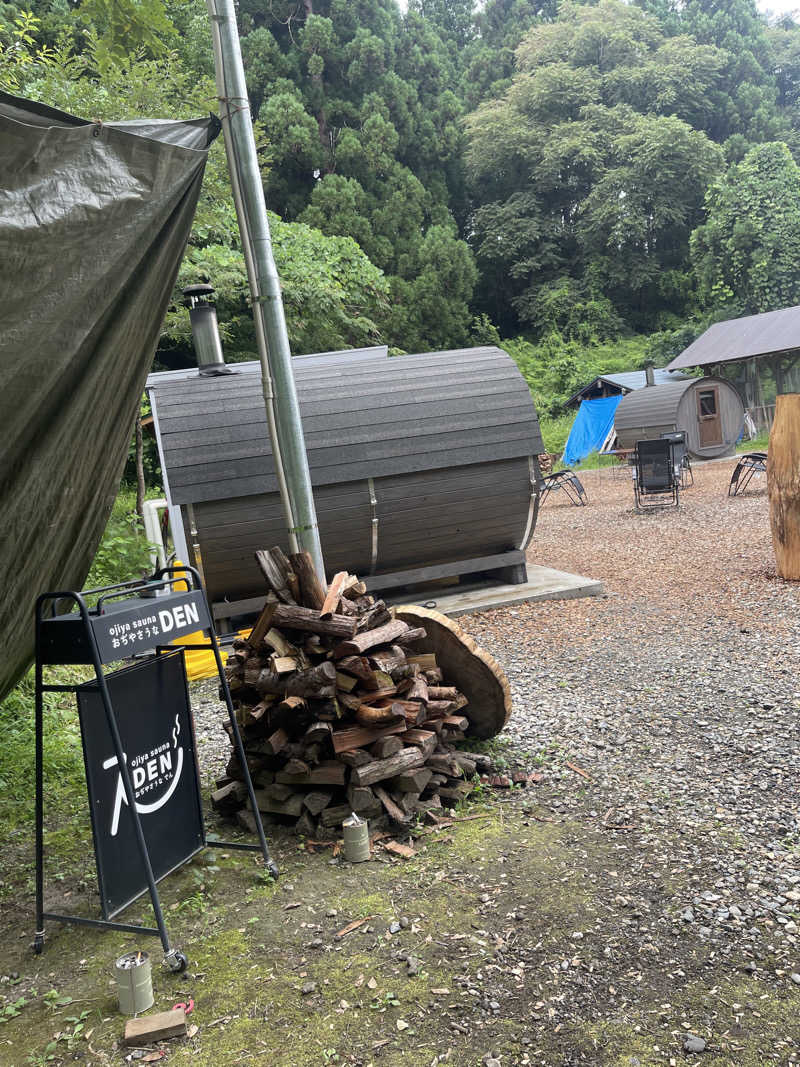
pixel 176 961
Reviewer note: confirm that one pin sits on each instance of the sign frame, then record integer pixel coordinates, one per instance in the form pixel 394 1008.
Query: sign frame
pixel 164 768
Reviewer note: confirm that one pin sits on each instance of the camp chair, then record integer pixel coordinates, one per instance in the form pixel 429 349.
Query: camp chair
pixel 567 480
pixel 654 476
pixel 680 457
pixel 749 464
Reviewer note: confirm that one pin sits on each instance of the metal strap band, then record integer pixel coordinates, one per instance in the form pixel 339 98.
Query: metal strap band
pixel 533 506
pixel 374 505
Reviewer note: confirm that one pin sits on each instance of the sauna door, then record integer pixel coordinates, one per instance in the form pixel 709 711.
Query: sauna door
pixel 708 416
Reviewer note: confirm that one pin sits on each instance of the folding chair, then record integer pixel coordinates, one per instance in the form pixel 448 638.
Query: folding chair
pixel 749 464
pixel 568 481
pixel 654 476
pixel 680 457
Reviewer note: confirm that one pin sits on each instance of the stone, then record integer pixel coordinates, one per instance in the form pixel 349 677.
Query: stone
pixel 692 1043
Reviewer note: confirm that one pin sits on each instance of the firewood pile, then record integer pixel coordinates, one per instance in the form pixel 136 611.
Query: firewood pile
pixel 338 712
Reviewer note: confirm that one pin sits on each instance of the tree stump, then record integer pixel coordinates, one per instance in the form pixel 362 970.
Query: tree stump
pixel 783 484
pixel 466 665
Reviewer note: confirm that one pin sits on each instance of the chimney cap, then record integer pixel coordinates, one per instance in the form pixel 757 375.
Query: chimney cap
pixel 193 293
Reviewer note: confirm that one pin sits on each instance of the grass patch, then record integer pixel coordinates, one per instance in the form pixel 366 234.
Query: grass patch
pixel 757 444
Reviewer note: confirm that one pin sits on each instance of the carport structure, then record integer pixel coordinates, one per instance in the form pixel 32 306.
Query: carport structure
pixel 748 346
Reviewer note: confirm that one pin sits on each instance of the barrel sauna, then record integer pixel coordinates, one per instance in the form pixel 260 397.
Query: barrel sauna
pixel 783 484
pixel 417 461
pixel 709 409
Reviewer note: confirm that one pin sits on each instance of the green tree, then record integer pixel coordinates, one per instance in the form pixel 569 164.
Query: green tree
pixel 747 253
pixel 588 174
pixel 358 103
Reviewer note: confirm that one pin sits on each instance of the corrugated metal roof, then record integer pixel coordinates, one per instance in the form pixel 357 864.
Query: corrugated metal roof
pixel 374 418
pixel 754 335
pixel 627 381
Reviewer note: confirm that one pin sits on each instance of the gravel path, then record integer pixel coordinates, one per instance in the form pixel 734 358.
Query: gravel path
pixel 677 694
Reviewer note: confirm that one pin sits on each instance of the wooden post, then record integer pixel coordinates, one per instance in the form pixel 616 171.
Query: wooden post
pixel 783 484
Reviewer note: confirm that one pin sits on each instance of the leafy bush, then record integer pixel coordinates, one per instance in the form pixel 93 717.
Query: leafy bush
pixel 124 552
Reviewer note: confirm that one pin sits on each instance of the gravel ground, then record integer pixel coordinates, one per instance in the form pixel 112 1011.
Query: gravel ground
pixel 677 694
pixel 664 717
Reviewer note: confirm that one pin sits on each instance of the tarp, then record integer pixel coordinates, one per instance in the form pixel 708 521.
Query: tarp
pixel 94 219
pixel 591 427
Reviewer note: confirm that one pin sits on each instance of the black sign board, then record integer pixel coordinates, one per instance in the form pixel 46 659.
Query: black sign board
pixel 128 627
pixel 151 705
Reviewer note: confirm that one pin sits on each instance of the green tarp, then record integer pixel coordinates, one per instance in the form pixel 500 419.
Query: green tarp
pixel 94 219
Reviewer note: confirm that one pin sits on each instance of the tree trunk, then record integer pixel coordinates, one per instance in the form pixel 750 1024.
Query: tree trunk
pixel 783 485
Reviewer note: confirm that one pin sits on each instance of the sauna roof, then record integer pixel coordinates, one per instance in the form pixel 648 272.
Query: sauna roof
pixel 365 415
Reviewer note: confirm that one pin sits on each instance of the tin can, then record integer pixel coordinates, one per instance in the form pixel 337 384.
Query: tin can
pixel 134 983
pixel 356 839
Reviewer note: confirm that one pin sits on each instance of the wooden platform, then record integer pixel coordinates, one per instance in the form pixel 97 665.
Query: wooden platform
pixel 543 583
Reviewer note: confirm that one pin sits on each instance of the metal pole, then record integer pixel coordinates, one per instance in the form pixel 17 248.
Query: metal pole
pixel 266 293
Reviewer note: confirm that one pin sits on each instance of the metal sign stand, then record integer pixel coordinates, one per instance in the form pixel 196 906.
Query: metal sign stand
pixel 101 635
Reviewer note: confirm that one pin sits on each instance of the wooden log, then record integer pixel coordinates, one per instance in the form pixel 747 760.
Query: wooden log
pixel 456 722
pixel 386 746
pixel 229 797
pixel 413 634
pixel 357 736
pixel 263 622
pixel 388 659
pixel 291 707
pixel 426 660
pixel 317 732
pixel 360 797
pixel 467 765
pixel 275 743
pixel 275 640
pixel 335 816
pixel 151 1028
pixel 274 574
pixel 433 675
pixel 412 711
pixel 294 617
pixel 411 781
pixel 283 664
pixel 425 740
pixel 293 805
pixel 346 681
pixel 480 678
pixel 783 485
pixel 443 692
pixel 379 680
pixel 388 768
pixel 296 766
pixel 334 595
pixel 270 682
pixel 392 809
pixel 319 681
pixel 359 643
pixel 306 825
pixel 329 772
pixel 354 757
pixel 353 588
pixel 418 689
pixel 377 615
pixel 372 715
pixel 311 592
pixel 317 800
pixel 358 666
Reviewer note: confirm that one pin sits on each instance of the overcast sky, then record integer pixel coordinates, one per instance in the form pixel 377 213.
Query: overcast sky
pixel 778 7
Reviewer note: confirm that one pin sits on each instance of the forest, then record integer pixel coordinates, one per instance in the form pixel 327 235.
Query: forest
pixel 589 185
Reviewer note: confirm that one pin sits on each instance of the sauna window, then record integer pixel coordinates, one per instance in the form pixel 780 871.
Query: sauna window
pixel 708 403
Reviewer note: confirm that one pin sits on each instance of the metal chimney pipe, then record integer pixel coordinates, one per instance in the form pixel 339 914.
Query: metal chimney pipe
pixel 649 374
pixel 205 330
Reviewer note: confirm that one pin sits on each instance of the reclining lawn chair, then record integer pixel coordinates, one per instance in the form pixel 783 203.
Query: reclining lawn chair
pixel 680 456
pixel 749 464
pixel 654 476
pixel 568 481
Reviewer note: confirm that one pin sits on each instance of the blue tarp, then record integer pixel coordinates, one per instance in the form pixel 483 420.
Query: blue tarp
pixel 590 429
